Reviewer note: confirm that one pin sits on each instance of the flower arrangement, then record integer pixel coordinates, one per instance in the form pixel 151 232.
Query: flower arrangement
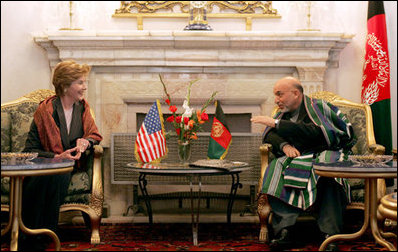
pixel 189 122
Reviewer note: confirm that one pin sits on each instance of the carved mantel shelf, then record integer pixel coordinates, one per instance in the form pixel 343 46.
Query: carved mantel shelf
pixel 195 48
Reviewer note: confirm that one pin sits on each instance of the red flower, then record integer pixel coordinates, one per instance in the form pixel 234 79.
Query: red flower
pixel 186 120
pixel 178 119
pixel 204 116
pixel 168 102
pixel 178 131
pixel 173 109
pixel 170 118
pixel 198 115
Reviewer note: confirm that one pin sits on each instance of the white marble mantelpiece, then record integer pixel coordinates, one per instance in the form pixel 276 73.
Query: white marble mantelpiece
pixel 195 48
pixel 242 66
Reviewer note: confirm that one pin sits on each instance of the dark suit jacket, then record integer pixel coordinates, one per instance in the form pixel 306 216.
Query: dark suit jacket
pixel 303 134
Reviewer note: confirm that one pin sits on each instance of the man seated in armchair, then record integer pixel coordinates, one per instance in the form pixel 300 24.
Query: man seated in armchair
pixel 303 131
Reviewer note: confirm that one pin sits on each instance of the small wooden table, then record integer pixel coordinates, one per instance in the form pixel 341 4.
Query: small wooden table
pixel 370 173
pixel 179 169
pixel 17 172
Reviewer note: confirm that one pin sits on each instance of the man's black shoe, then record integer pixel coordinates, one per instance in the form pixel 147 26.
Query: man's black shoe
pixel 281 243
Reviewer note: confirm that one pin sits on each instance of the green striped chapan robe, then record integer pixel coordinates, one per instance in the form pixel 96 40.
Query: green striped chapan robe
pixel 292 179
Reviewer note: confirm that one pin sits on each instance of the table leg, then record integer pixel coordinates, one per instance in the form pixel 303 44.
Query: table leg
pixel 363 228
pixel 135 207
pixel 232 194
pixel 15 203
pixel 373 217
pixel 17 219
pixel 195 223
pixel 142 181
pixel 250 208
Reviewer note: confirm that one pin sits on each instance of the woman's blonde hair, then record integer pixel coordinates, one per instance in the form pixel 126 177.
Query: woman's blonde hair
pixel 67 72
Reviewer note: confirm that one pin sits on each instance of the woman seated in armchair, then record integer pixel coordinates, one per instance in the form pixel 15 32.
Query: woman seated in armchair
pixel 62 127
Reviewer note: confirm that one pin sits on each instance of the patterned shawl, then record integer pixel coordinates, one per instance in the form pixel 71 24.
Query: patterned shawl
pixel 49 132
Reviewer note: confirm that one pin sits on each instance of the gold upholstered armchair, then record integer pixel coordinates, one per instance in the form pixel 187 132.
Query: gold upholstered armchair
pixel 360 116
pixel 85 192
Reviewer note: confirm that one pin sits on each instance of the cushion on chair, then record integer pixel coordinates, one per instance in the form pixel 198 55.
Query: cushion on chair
pixel 357 186
pixel 358 195
pixel 80 186
pixel 21 119
pixel 81 179
pixel 357 118
pixel 5 132
pixel 5 190
pixel 356 183
pixel 79 183
pixel 5 147
pixel 83 198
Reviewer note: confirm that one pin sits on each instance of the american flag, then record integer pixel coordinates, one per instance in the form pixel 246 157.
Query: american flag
pixel 150 143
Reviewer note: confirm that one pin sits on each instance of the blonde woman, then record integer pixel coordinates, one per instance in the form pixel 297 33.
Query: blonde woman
pixel 62 127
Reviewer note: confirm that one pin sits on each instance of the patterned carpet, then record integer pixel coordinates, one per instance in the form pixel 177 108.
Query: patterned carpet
pixel 178 237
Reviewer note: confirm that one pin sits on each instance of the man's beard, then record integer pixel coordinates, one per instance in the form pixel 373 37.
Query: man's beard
pixel 285 109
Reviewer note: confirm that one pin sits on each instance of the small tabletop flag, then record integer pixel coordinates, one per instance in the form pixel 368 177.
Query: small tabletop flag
pixel 150 144
pixel 220 138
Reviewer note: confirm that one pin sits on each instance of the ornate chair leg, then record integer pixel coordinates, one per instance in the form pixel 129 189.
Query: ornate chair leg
pixel 95 225
pixel 92 221
pixel 263 210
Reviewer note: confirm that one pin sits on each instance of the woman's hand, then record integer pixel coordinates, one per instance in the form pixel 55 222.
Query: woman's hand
pixel 82 144
pixel 290 151
pixel 68 154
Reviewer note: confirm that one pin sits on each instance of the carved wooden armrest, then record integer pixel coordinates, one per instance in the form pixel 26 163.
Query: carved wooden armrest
pixel 265 150
pixel 377 149
pixel 97 195
pixel 98 151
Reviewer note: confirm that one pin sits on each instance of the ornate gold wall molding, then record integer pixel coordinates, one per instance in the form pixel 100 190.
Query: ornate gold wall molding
pixel 151 6
pixel 165 9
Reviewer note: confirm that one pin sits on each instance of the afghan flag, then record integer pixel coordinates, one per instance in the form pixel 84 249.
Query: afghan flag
pixel 220 138
pixel 376 76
